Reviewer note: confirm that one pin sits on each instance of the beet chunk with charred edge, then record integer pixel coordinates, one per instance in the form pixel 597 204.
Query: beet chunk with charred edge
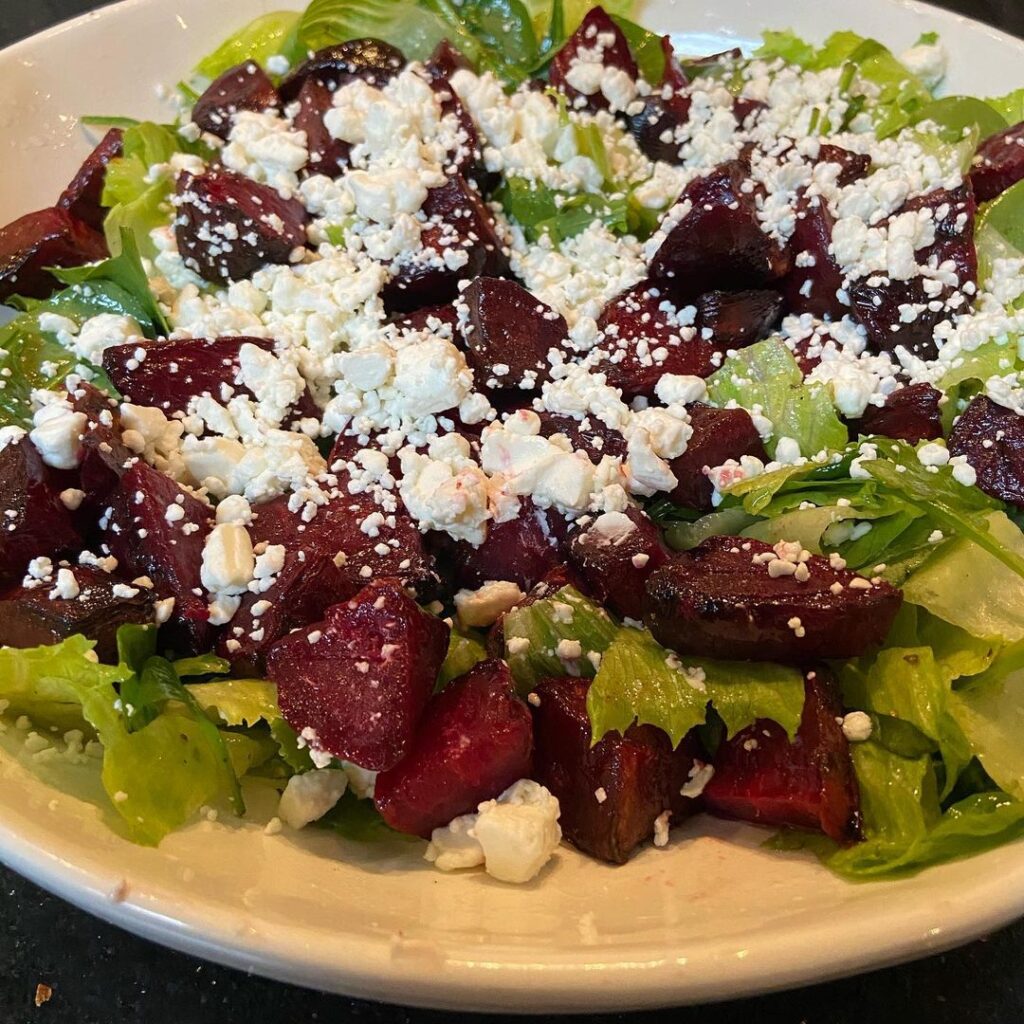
pixel 228 226
pixel 372 60
pixel 910 414
pixel 511 330
pixel 658 117
pixel 610 793
pixel 854 166
pixel 35 521
pixel 992 438
pixel 245 87
pixel 807 784
pixel 999 163
pixel 596 27
pixel 614 555
pixel 473 742
pixel 456 219
pixel 327 155
pixel 719 243
pixel 37 241
pixel 30 618
pixel 718 435
pixel 145 543
pixel 813 282
pixel 361 678
pixel 736 319
pixel 732 597
pixel 328 561
pixel 82 196
pixel 104 457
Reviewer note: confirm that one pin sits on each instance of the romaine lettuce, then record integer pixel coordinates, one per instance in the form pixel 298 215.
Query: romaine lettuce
pixel 264 37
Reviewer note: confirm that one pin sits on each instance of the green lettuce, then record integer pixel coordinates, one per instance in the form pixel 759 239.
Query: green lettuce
pixel 640 681
pixel 237 702
pixel 956 116
pixel 990 713
pixel 1009 107
pixel 999 232
pixel 464 651
pixel 264 37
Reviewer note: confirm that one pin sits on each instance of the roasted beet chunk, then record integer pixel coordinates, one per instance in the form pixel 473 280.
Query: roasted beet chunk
pixel 718 243
pixel 360 679
pixel 611 793
pixel 584 68
pixel 597 439
pixel 992 438
pixel 327 155
pixel 82 196
pixel 245 87
pixel 466 156
pixel 999 163
pixel 510 334
pixel 46 238
pixel 909 414
pixel 446 60
pixel 104 457
pixel 457 219
pixel 35 520
pixel 807 784
pixel 371 60
pixel 853 166
pixel 814 281
pixel 473 742
pixel 614 555
pixel 742 599
pixel 735 319
pixel 229 226
pixel 77 599
pixel 645 338
pixel 656 126
pixel 168 549
pixel 718 435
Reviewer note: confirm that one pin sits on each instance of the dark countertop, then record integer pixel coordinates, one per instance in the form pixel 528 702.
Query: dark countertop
pixel 102 975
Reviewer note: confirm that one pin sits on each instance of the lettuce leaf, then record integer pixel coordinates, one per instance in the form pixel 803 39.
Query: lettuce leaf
pixel 956 115
pixel 999 232
pixel 237 702
pixel 264 37
pixel 645 47
pixel 464 651
pixel 640 681
pixel 1009 107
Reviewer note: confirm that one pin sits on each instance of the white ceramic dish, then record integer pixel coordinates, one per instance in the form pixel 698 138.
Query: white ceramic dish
pixel 711 917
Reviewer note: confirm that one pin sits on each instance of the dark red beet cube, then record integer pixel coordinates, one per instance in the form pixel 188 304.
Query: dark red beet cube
pixel 34 521
pixel 612 792
pixel 999 163
pixel 719 243
pixel 170 553
pixel 814 280
pixel 361 678
pixel 327 155
pixel 46 238
pixel 854 166
pixel 597 439
pixel 718 435
pixel 807 784
pixel 446 60
pixel 82 196
pixel 473 742
pixel 104 458
pixel 467 156
pixel 614 555
pixel 29 617
pixel 372 60
pixel 655 127
pixel 954 212
pixel 510 334
pixel 734 598
pixel 910 414
pixel 992 438
pixel 245 87
pixel 598 37
pixel 736 319
pixel 228 226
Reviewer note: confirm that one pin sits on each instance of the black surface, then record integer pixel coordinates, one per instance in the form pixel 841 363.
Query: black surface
pixel 101 975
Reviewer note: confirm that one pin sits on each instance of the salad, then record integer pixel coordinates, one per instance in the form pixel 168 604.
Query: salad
pixel 486 424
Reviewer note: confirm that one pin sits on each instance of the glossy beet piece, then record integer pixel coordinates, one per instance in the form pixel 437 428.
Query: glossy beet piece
pixel 329 560
pixel 361 678
pixel 30 618
pixel 854 166
pixel 954 212
pixel 638 775
pixel 245 87
pixel 82 196
pixel 446 60
pixel 596 32
pixel 509 334
pixel 719 243
pixel 597 439
pixel 467 157
pixel 327 155
pixel 636 327
pixel 814 279
pixel 736 319
pixel 910 414
pixel 46 238
pixel 456 219
pixel 372 60
pixel 35 520
pixel 615 554
pixel 807 784
pixel 473 742
pixel 655 127
pixel 992 438
pixel 145 543
pixel 104 458
pixel 228 226
pixel 718 435
pixel 999 163
pixel 437 319
pixel 877 308
pixel 716 600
